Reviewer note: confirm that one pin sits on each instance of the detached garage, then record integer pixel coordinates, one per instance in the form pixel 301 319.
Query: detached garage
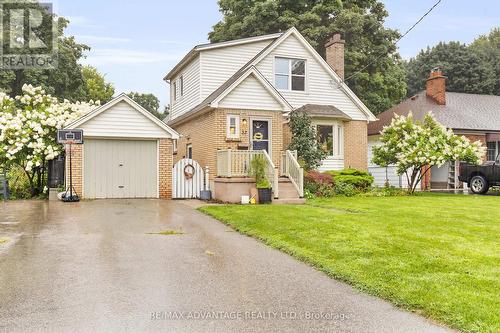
pixel 127 153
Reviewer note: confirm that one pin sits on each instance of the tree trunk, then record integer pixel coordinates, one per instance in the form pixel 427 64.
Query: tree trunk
pixel 17 85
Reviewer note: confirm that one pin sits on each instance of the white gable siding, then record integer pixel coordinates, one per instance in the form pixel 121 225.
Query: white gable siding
pixel 331 163
pixel 220 64
pixel 320 88
pixel 250 94
pixel 191 97
pixel 122 120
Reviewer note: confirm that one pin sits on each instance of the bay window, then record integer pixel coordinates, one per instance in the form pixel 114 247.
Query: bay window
pixel 331 139
pixel 290 74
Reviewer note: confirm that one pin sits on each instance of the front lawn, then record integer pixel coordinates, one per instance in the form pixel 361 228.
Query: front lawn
pixel 435 254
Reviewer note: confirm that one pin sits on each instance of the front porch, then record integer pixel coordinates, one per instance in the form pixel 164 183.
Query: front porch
pixel 233 181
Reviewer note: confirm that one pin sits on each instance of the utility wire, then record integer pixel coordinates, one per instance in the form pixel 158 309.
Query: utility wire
pixel 397 41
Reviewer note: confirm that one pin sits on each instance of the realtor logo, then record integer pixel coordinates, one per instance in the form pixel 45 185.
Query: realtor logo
pixel 28 35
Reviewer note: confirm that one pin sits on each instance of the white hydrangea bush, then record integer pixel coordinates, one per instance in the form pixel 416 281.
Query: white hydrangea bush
pixel 415 146
pixel 29 124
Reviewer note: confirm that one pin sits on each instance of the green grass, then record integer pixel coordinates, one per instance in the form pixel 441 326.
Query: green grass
pixel 437 255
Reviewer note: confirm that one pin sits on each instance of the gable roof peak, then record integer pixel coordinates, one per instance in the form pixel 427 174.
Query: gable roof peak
pixel 122 97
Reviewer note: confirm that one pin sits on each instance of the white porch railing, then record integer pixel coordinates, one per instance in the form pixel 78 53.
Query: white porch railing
pixel 236 163
pixel 290 168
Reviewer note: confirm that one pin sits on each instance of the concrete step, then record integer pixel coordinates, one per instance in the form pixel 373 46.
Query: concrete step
pixel 289 195
pixel 295 201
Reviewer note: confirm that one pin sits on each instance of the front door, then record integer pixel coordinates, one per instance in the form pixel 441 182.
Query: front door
pixel 260 135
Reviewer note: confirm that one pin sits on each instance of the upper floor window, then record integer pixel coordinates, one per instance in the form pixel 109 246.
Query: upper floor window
pixel 181 85
pixel 290 74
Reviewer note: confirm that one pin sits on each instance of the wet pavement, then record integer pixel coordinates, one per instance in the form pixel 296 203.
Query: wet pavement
pixel 92 266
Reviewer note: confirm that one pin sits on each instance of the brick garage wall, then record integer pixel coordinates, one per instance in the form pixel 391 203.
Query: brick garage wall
pixel 356 145
pixel 207 134
pixel 77 168
pixel 165 165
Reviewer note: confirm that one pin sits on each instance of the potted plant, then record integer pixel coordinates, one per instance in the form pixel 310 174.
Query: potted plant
pixel 258 170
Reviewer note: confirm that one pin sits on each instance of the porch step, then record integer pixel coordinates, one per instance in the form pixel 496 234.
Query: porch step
pixel 287 190
pixel 290 201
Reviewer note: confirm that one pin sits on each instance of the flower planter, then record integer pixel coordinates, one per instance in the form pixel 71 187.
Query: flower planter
pixel 265 195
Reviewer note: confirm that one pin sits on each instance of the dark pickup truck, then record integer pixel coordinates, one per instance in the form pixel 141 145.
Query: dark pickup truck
pixel 480 177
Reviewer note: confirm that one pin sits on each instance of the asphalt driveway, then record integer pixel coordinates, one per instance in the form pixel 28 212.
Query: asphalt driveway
pixel 93 266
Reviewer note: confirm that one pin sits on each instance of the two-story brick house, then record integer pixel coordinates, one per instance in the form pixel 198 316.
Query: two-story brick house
pixel 233 98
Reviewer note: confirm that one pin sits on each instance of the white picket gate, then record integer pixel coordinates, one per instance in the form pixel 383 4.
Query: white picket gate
pixel 187 179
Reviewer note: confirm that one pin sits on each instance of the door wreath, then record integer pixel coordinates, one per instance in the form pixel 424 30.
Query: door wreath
pixel 189 171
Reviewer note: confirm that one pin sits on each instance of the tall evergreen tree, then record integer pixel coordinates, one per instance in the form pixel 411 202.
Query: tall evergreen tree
pixel 380 85
pixel 471 68
pixel 488 48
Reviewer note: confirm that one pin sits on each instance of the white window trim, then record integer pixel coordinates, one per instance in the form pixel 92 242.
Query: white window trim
pixel 189 146
pixel 290 74
pixel 496 150
pixel 174 145
pixel 181 85
pixel 236 135
pixel 174 91
pixel 338 137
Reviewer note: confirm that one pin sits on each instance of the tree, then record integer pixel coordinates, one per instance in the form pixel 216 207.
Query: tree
pixel 361 22
pixel 148 101
pixel 469 68
pixel 63 82
pixel 28 127
pixel 304 140
pixel 414 147
pixel 488 48
pixel 95 88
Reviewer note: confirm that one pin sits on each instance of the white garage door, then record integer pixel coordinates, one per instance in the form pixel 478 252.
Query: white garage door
pixel 120 169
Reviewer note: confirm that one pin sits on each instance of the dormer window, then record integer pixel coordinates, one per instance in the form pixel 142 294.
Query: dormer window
pixel 290 74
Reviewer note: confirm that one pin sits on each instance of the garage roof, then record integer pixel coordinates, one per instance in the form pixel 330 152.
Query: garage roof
pixel 111 126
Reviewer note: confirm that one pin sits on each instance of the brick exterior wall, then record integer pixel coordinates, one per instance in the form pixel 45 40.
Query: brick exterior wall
pixel 165 165
pixel 77 168
pixel 356 144
pixel 207 134
pixel 287 135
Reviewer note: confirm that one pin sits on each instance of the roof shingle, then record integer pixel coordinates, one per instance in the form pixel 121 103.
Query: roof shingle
pixel 462 111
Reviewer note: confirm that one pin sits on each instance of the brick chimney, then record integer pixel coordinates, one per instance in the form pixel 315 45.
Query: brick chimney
pixel 335 54
pixel 436 86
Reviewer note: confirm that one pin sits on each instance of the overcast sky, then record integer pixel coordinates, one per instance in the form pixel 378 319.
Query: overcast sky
pixel 135 43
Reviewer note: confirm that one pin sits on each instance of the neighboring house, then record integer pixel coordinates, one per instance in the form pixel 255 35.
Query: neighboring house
pixel 474 116
pixel 232 98
pixel 127 153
